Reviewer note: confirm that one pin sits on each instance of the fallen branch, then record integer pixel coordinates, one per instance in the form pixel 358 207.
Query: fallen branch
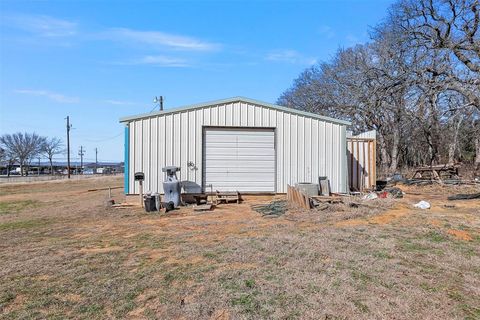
pixel 464 196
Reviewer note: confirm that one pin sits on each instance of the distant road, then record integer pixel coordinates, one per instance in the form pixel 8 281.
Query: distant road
pixel 19 179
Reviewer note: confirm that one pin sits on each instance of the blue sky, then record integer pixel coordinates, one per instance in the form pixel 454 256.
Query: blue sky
pixel 97 61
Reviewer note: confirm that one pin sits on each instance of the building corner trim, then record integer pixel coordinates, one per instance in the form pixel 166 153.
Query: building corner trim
pixel 126 170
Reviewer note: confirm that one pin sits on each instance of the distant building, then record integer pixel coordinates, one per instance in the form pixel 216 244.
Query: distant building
pixel 60 167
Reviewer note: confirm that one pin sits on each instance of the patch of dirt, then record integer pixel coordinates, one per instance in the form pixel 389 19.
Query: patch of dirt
pixel 436 223
pixel 221 314
pixel 399 211
pixel 16 304
pixel 137 313
pixel 460 234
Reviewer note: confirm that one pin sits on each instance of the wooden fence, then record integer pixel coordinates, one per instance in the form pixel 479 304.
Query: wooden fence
pixel 362 169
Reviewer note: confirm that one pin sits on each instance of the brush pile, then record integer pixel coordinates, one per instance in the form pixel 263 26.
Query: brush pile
pixel 272 209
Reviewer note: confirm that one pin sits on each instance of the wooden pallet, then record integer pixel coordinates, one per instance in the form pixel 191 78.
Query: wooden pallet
pixel 226 197
pixel 323 199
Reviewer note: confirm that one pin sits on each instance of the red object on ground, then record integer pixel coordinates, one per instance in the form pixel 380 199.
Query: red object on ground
pixel 383 195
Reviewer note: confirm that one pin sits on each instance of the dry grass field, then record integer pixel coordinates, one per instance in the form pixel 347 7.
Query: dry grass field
pixel 63 254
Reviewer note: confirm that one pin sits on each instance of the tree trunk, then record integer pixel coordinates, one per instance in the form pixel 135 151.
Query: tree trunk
pixel 51 166
pixel 383 153
pixel 451 152
pixel 395 146
pixel 453 145
pixel 477 156
pixel 21 168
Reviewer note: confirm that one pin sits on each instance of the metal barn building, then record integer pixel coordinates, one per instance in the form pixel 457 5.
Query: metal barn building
pixel 235 144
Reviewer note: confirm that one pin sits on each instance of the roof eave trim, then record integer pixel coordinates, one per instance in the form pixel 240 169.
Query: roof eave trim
pixel 230 100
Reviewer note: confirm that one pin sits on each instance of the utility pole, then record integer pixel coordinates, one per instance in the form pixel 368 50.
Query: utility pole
pixel 81 153
pixel 159 100
pixel 68 146
pixel 96 159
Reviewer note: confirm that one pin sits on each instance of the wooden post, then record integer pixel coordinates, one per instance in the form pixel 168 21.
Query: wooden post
pixel 364 158
pixel 351 165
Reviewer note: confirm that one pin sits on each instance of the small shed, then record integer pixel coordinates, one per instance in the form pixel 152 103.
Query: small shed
pixel 362 168
pixel 236 144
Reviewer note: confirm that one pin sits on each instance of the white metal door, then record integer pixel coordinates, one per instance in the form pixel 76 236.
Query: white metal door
pixel 239 159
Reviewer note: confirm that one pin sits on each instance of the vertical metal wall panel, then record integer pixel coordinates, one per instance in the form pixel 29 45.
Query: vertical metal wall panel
pixel 287 172
pixel 162 151
pixel 131 157
pixel 154 153
pixel 200 120
pixel 146 165
pixel 237 121
pixel 184 146
pixel 314 151
pixel 301 149
pixel 221 116
pixel 294 149
pixel 344 162
pixel 305 147
pixel 321 148
pixel 228 115
pixel 280 147
pixel 191 144
pixel 308 149
pixel 243 113
pixel 327 155
pixel 138 157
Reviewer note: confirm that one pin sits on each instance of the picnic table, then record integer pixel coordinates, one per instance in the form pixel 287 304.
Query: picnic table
pixel 436 173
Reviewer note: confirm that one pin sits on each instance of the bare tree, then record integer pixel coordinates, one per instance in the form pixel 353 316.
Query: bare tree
pixel 449 27
pixel 50 148
pixel 22 146
pixel 8 158
pixel 416 83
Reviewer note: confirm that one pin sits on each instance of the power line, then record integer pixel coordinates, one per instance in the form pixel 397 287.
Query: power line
pixel 100 140
pixel 158 100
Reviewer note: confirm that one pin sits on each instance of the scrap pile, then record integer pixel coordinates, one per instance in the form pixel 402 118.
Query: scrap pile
pixel 393 192
pixel 272 209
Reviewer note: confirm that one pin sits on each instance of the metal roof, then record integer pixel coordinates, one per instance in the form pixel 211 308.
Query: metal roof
pixel 230 100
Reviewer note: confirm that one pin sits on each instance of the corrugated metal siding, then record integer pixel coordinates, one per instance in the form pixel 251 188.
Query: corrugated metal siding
pixel 305 147
pixel 372 134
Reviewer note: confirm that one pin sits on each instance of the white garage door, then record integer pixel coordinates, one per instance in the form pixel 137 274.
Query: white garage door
pixel 239 160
